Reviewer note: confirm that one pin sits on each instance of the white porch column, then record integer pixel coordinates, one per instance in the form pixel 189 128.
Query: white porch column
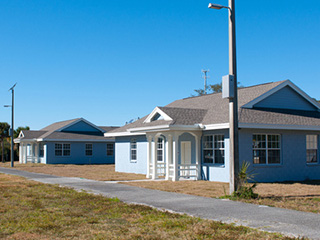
pixel 198 155
pixel 20 152
pixel 149 150
pixel 168 155
pixel 154 160
pixel 175 157
pixel 25 153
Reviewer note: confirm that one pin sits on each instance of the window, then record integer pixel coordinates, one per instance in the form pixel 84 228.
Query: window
pixel 88 149
pixel 213 149
pixel 62 149
pixel 266 148
pixel 133 150
pixel 110 149
pixel 41 150
pixel 160 150
pixel 312 148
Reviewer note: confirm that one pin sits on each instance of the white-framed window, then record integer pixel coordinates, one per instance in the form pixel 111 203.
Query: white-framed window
pixel 312 148
pixel 133 150
pixel 160 151
pixel 89 148
pixel 41 149
pixel 266 148
pixel 110 149
pixel 213 149
pixel 62 149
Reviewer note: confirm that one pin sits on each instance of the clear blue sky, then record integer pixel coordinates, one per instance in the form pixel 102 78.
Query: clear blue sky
pixel 111 61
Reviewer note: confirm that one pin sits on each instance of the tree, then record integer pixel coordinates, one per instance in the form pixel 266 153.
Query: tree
pixel 215 88
pixel 19 129
pixel 4 133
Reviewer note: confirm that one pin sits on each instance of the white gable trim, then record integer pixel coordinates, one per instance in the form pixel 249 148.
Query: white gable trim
pixel 165 116
pixel 277 88
pixel 21 135
pixel 79 120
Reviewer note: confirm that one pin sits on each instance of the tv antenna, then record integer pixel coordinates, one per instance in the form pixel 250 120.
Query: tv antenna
pixel 205 79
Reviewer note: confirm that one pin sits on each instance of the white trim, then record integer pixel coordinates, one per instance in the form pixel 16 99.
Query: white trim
pixel 79 120
pixel 21 135
pixel 216 126
pixel 120 134
pixel 165 116
pixel 278 126
pixel 277 88
pixel 73 140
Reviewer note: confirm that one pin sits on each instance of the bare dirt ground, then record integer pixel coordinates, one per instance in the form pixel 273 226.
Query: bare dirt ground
pixel 303 196
pixel 94 172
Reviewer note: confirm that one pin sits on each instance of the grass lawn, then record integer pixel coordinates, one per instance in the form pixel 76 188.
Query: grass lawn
pixel 31 210
pixel 94 172
pixel 298 196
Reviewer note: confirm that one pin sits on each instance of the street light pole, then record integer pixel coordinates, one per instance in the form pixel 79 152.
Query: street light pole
pixel 233 101
pixel 12 126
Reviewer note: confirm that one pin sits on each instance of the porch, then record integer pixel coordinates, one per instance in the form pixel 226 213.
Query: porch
pixel 31 152
pixel 174 155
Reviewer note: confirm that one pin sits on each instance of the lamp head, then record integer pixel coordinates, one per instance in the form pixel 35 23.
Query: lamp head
pixel 215 6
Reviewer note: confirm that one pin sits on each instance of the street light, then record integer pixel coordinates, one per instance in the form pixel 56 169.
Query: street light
pixel 12 121
pixel 233 101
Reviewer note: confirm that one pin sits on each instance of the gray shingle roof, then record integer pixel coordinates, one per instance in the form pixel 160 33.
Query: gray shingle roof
pixel 213 109
pixel 50 132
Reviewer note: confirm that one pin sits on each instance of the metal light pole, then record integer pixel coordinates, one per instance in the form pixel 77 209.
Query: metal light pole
pixel 12 122
pixel 233 102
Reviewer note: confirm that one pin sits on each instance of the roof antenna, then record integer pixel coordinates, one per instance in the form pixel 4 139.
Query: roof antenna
pixel 205 80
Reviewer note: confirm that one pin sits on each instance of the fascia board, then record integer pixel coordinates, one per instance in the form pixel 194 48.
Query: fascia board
pixel 216 126
pixel 157 110
pixel 75 140
pixel 122 134
pixel 278 126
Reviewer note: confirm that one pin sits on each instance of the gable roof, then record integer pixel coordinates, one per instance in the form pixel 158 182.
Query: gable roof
pixel 212 109
pixel 55 132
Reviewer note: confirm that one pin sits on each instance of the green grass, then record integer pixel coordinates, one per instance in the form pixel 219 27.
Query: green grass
pixel 30 210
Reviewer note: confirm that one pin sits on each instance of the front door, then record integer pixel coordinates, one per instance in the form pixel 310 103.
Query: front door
pixel 185 158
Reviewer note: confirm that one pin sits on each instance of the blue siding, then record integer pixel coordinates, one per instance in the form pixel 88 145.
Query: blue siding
pixel 81 127
pixel 293 165
pixel 218 173
pixel 286 98
pixel 122 151
pixel 77 156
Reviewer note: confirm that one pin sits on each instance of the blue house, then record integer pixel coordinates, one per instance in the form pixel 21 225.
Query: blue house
pixel 75 141
pixel 279 127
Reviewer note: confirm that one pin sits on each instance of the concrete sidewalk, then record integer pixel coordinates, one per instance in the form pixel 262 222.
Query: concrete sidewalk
pixel 288 222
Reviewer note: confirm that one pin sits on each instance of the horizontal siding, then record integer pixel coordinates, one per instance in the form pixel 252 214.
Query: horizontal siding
pixel 293 165
pixel 286 98
pixel 122 160
pixel 77 156
pixel 81 127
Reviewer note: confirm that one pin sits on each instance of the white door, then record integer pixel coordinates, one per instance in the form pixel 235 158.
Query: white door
pixel 186 152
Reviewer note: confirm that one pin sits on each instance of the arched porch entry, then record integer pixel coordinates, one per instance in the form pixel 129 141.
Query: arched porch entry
pixel 174 155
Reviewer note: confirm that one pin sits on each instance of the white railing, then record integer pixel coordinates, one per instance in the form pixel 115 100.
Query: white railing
pixel 32 159
pixel 188 170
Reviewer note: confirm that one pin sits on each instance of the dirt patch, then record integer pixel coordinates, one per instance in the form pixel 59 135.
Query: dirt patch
pixel 94 172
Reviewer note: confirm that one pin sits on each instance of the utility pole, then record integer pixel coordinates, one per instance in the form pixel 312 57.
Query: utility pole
pixel 205 80
pixel 12 126
pixel 233 101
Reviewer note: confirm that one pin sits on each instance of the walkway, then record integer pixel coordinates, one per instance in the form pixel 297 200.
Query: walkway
pixel 285 221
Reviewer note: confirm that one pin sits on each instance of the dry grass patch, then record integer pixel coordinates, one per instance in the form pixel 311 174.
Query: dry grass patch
pixel 31 210
pixel 95 172
pixel 198 188
pixel 296 196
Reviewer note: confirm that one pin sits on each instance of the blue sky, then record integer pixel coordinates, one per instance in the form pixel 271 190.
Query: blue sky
pixel 111 61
